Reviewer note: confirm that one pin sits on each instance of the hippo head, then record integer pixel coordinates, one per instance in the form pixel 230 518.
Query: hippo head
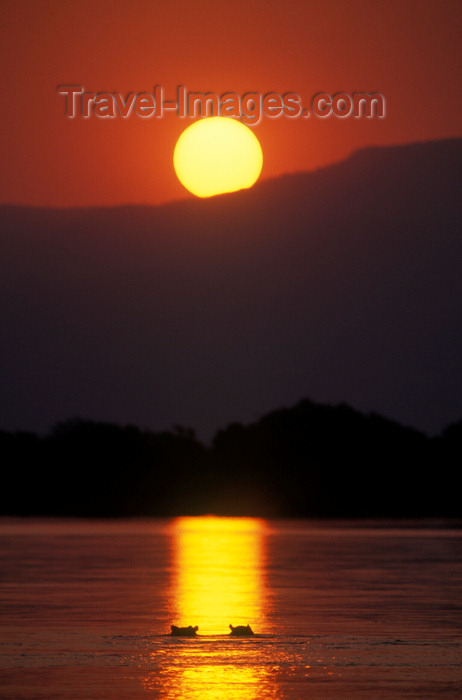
pixel 241 631
pixel 184 631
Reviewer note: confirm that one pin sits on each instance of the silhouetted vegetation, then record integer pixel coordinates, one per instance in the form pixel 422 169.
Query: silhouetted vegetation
pixel 310 460
pixel 85 468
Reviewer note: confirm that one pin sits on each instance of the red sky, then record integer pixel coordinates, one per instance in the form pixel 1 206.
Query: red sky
pixel 409 51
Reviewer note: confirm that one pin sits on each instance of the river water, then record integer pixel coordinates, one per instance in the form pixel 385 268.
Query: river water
pixel 339 610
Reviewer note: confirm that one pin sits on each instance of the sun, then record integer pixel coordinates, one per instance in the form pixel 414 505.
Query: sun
pixel 217 155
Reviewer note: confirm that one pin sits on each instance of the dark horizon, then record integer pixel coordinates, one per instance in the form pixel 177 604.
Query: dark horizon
pixel 308 461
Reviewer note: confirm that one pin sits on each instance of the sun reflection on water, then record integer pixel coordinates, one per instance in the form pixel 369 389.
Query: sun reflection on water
pixel 217 580
pixel 209 682
pixel 218 576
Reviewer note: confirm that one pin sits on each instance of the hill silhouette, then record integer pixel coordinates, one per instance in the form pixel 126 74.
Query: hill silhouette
pixel 343 284
pixel 308 460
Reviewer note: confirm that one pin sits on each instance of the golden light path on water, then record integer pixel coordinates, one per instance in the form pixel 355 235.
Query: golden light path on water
pixel 218 572
pixel 218 579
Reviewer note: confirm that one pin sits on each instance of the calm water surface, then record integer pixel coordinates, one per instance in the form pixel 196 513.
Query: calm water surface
pixel 339 610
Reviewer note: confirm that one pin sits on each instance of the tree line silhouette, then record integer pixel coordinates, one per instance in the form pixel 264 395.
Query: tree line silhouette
pixel 310 460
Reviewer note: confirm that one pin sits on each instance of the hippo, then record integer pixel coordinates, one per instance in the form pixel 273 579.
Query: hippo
pixel 241 631
pixel 184 631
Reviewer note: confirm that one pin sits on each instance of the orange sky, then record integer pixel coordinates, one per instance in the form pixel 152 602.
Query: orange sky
pixel 409 51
